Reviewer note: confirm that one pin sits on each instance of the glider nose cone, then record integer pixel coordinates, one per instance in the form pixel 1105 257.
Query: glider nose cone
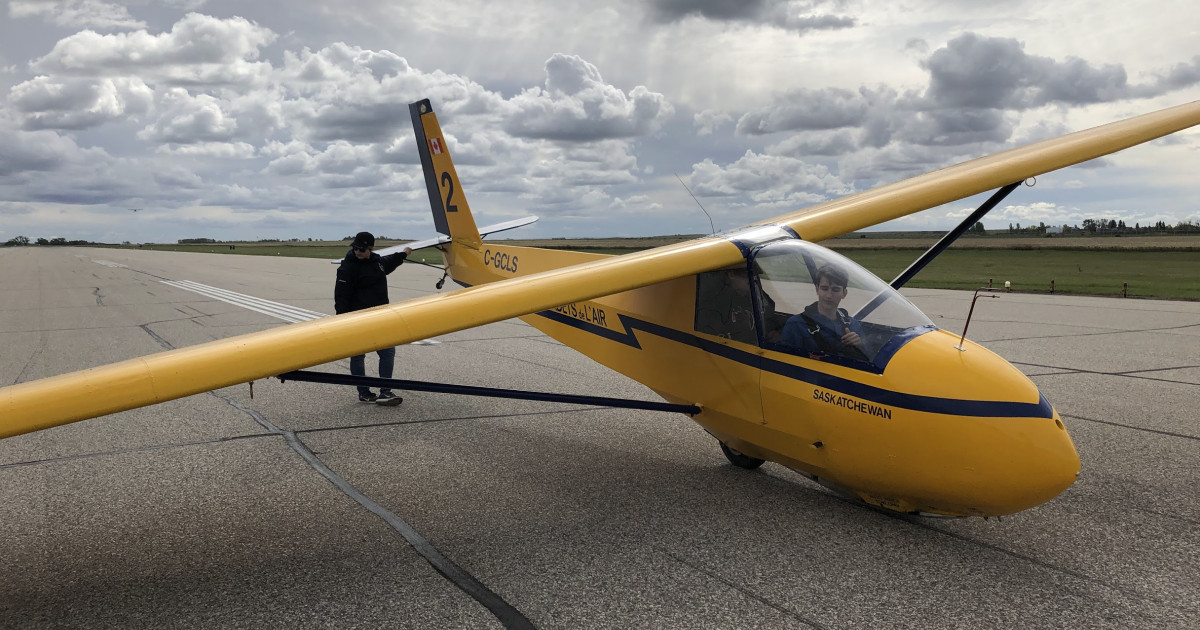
pixel 997 446
pixel 1043 462
pixel 1025 454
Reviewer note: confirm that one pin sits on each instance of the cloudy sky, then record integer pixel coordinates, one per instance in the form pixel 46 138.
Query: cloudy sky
pixel 288 119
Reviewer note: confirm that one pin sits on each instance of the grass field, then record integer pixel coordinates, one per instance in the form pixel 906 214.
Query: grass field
pixel 1165 267
pixel 1165 274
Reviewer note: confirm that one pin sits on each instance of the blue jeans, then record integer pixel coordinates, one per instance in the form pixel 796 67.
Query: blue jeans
pixel 358 366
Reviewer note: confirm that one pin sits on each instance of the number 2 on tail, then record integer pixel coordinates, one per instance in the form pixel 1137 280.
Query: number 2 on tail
pixel 448 183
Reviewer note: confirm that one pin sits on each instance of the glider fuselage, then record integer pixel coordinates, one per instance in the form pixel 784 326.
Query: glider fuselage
pixel 920 427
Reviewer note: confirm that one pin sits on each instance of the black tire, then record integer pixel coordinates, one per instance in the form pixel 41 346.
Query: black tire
pixel 738 459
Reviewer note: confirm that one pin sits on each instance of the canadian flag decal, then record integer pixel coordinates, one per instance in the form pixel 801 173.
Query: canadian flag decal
pixel 435 146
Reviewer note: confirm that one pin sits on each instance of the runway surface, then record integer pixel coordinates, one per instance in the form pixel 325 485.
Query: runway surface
pixel 302 508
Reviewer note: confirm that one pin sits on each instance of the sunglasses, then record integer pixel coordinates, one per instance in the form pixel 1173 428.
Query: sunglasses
pixel 362 249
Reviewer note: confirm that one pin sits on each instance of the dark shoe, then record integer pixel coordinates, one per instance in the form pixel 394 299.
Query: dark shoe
pixel 388 399
pixel 368 397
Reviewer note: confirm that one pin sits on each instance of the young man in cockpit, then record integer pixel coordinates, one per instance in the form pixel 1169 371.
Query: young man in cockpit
pixel 823 328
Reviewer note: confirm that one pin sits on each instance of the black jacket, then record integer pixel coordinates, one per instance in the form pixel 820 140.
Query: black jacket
pixel 363 283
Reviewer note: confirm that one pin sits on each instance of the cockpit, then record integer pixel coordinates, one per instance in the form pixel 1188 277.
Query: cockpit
pixel 803 299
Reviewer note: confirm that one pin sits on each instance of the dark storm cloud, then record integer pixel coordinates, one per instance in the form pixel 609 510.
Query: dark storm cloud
pixel 977 86
pixel 955 127
pixel 807 110
pixel 1182 75
pixel 89 177
pixel 828 143
pixel 83 193
pixel 14 209
pixel 980 72
pixel 33 151
pixel 358 122
pixel 174 177
pixel 787 14
pixel 804 23
pixel 671 10
pixel 977 89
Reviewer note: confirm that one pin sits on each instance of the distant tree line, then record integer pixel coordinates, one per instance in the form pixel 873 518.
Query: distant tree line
pixel 1108 226
pixel 21 241
pixel 209 241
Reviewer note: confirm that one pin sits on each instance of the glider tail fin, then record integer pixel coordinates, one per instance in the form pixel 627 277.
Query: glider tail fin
pixel 451 213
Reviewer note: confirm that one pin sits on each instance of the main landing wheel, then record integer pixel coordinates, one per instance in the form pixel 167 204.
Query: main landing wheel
pixel 738 459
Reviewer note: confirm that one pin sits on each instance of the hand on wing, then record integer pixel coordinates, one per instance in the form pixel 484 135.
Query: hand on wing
pixel 407 251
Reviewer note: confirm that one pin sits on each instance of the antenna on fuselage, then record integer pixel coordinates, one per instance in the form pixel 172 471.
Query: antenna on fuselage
pixel 689 190
pixel 971 312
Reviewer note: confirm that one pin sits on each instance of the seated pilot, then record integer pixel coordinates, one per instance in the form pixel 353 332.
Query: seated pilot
pixel 823 328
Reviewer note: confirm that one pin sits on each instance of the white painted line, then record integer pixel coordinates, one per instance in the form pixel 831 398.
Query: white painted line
pixel 285 312
pixel 290 314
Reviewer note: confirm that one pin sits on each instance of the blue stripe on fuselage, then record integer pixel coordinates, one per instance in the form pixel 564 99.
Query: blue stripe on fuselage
pixel 928 404
pixel 914 402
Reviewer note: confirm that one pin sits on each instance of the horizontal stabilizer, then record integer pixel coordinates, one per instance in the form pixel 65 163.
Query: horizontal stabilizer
pixel 439 239
pixel 415 245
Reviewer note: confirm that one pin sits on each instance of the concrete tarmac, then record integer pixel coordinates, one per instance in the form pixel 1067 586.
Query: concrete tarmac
pixel 302 508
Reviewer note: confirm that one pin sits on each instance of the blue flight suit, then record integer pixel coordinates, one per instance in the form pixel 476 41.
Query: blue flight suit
pixel 813 333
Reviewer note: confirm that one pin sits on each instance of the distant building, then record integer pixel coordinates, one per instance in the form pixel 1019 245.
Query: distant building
pixel 1054 229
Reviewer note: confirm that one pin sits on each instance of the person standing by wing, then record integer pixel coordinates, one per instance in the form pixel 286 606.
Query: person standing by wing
pixel 362 283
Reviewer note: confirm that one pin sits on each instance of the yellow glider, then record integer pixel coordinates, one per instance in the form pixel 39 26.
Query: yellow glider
pixel 917 427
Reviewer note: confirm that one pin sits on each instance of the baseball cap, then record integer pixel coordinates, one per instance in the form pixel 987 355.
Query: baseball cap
pixel 363 239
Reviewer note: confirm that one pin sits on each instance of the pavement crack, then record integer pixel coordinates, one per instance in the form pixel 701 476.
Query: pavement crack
pixel 917 521
pixel 153 335
pixel 542 365
pixel 372 425
pixel 1164 369
pixel 137 449
pixel 1133 427
pixel 1174 517
pixel 504 612
pixel 1129 592
pixel 747 592
pixel 1138 374
pixel 1082 334
pixel 36 353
